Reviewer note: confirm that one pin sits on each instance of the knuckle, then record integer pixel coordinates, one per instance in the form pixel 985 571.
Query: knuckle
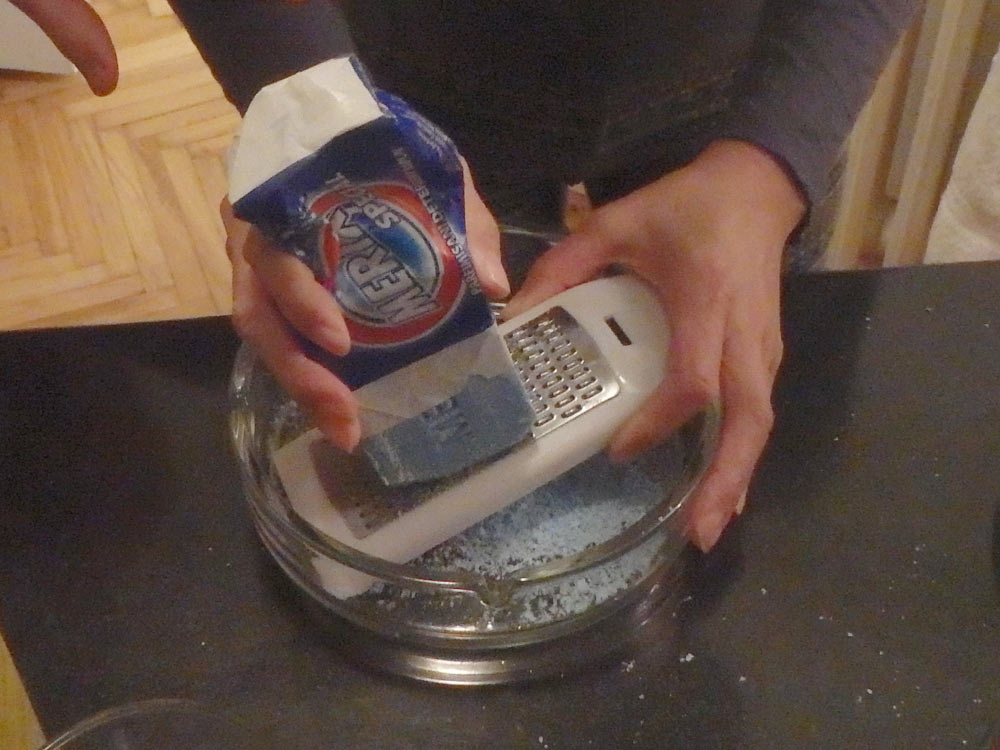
pixel 777 352
pixel 696 389
pixel 726 486
pixel 310 394
pixel 254 248
pixel 321 398
pixel 778 348
pixel 250 254
pixel 761 415
pixel 715 268
pixel 243 320
pixel 606 230
pixel 310 320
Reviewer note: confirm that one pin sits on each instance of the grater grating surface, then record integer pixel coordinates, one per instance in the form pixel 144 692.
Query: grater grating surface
pixel 564 374
pixel 361 499
pixel 561 367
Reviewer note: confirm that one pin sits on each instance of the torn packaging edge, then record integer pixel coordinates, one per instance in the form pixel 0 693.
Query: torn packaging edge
pixel 342 175
pixel 292 119
pixel 486 412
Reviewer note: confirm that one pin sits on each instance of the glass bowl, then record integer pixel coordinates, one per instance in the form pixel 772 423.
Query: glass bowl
pixel 155 724
pixel 592 543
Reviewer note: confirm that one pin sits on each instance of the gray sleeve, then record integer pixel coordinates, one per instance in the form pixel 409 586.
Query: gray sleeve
pixel 250 43
pixel 814 67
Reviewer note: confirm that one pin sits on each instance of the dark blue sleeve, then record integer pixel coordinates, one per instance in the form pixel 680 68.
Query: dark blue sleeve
pixel 815 65
pixel 250 43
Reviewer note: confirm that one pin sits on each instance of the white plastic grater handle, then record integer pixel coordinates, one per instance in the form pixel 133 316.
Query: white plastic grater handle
pixel 639 367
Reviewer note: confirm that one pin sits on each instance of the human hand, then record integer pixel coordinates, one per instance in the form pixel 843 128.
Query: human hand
pixel 276 296
pixel 78 32
pixel 709 237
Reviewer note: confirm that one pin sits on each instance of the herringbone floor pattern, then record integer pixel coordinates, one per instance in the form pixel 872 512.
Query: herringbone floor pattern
pixel 109 206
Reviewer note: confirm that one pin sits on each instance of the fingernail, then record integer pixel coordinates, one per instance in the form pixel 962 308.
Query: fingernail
pixel 741 504
pixel 353 436
pixel 707 530
pixel 497 280
pixel 342 433
pixel 336 340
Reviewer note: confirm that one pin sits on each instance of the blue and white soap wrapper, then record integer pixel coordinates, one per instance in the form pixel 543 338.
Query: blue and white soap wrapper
pixel 369 195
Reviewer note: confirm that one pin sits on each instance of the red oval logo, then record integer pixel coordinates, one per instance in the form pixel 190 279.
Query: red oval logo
pixel 392 270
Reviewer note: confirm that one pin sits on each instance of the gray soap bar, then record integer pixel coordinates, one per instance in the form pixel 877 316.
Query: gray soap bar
pixel 488 416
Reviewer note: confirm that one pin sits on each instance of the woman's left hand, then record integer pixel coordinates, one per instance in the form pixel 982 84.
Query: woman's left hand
pixel 709 238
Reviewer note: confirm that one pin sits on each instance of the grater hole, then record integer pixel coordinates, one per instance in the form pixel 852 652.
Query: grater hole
pixel 544 419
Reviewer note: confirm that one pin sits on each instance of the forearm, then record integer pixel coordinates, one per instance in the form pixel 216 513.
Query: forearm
pixel 250 43
pixel 814 67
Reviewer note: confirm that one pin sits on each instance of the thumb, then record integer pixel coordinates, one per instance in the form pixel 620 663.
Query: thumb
pixel 573 260
pixel 483 236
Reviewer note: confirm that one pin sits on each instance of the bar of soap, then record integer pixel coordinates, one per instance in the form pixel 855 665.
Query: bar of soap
pixel 487 417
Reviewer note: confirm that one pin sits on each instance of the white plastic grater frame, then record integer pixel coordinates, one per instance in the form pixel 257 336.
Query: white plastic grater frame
pixel 638 367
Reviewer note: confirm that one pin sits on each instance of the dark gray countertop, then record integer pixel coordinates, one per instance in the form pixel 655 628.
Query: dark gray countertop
pixel 855 604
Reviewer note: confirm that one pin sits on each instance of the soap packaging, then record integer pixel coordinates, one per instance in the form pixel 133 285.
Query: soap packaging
pixel 369 195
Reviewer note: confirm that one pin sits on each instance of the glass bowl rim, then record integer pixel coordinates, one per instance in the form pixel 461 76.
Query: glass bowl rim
pixel 145 707
pixel 247 366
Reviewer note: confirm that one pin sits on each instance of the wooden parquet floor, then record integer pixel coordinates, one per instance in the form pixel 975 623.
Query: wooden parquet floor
pixel 109 206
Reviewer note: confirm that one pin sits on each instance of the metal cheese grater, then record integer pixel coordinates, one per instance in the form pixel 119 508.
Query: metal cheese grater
pixel 561 368
pixel 602 343
pixel 565 376
pixel 364 503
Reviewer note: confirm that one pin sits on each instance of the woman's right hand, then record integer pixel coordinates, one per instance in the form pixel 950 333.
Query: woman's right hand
pixel 267 327
pixel 276 296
